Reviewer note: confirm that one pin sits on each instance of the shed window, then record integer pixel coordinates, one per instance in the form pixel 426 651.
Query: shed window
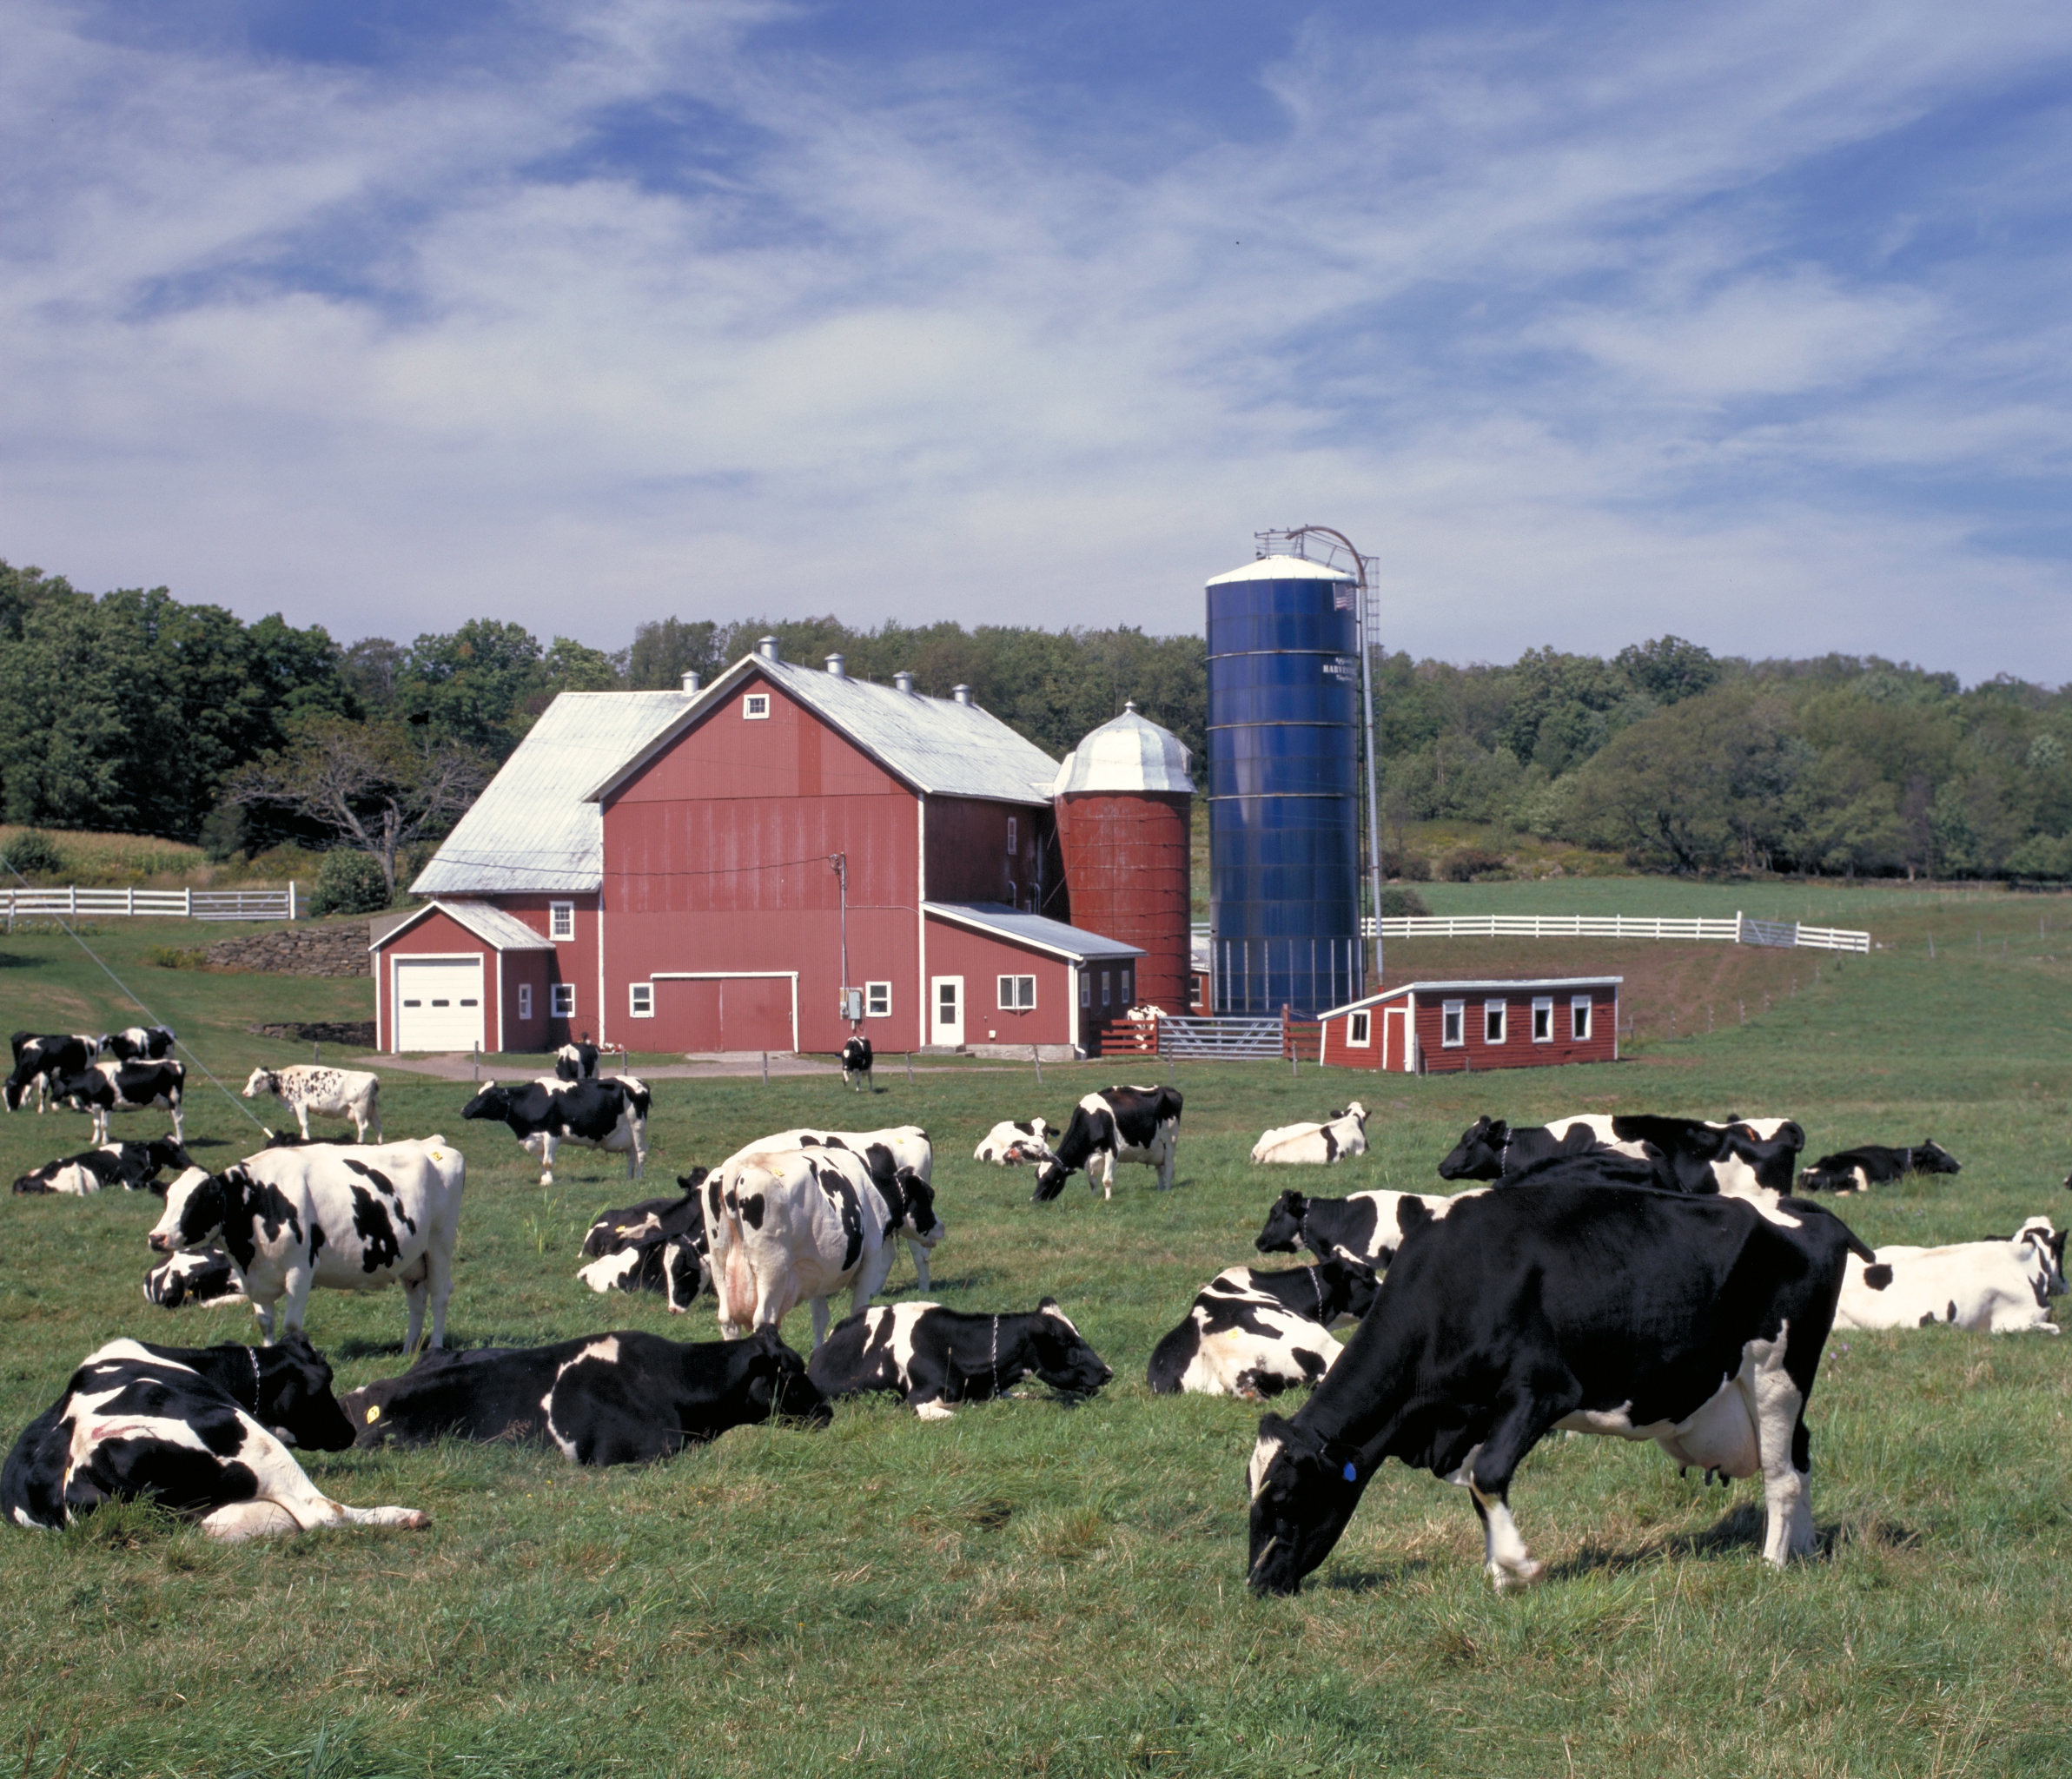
pixel 1105 1000
pixel 1579 1016
pixel 1493 1021
pixel 1452 1023
pixel 561 920
pixel 1017 994
pixel 1358 1030
pixel 1543 1020
pixel 1129 975
pixel 877 1000
pixel 1012 828
pixel 563 1006
pixel 755 706
pixel 525 999
pixel 1086 988
pixel 640 1000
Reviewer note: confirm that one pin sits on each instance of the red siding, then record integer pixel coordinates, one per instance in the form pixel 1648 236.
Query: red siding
pixel 968 856
pixel 436 936
pixel 1516 1051
pixel 1128 859
pixel 982 959
pixel 575 962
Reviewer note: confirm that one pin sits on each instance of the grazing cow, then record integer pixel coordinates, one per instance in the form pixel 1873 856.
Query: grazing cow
pixel 105 1087
pixel 203 1431
pixel 346 1219
pixel 41 1062
pixel 204 1277
pixel 1364 1229
pixel 140 1044
pixel 1121 1124
pixel 1013 1142
pixel 1742 1155
pixel 1697 1322
pixel 611 1115
pixel 1291 1145
pixel 1254 1334
pixel 784 1226
pixel 576 1062
pixel 1994 1287
pixel 304 1088
pixel 1859 1170
pixel 857 1060
pixel 885 1152
pixel 930 1357
pixel 658 1245
pixel 134 1166
pixel 626 1398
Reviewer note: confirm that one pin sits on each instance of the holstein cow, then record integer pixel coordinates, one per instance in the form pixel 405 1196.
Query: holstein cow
pixel 857 1060
pixel 105 1088
pixel 140 1044
pixel 134 1166
pixel 203 1431
pixel 885 1152
pixel 1121 1124
pixel 42 1060
pixel 626 1398
pixel 1742 1155
pixel 785 1228
pixel 658 1245
pixel 1859 1169
pixel 1343 1134
pixel 346 1219
pixel 304 1088
pixel 1254 1334
pixel 1994 1286
pixel 932 1357
pixel 1011 1142
pixel 1364 1229
pixel 576 1062
pixel 611 1115
pixel 1697 1322
pixel 204 1277
pixel 613 1230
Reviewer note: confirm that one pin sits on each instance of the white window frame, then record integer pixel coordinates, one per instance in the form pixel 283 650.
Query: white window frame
pixel 1452 1025
pixel 640 1000
pixel 1011 987
pixel 561 920
pixel 1500 1012
pixel 1579 1018
pixel 1012 828
pixel 877 1000
pixel 755 706
pixel 525 1000
pixel 1543 1004
pixel 561 1001
pixel 1360 1031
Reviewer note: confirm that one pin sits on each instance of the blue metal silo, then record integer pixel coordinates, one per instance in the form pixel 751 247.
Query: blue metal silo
pixel 1283 787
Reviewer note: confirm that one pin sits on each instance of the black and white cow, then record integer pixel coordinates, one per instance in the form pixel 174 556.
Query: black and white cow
pixel 1999 1285
pixel 1121 1124
pixel 1697 1322
pixel 885 1152
pixel 1741 1155
pixel 796 1225
pixel 626 1398
pixel 611 1115
pixel 1859 1169
pixel 102 1088
pixel 1013 1142
pixel 857 1060
pixel 134 1167
pixel 576 1062
pixel 611 1232
pixel 1254 1334
pixel 205 1277
pixel 1364 1229
pixel 1314 1145
pixel 932 1357
pixel 304 1088
pixel 140 1044
pixel 346 1219
pixel 42 1060
pixel 203 1431
pixel 658 1245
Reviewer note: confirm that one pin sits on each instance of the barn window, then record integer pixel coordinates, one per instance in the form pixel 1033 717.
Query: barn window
pixel 1194 990
pixel 1086 988
pixel 1543 1021
pixel 1493 1021
pixel 525 999
pixel 877 1000
pixel 1453 1015
pixel 755 706
pixel 1105 1001
pixel 1010 835
pixel 1358 1030
pixel 640 1000
pixel 1579 1016
pixel 1128 985
pixel 561 920
pixel 563 1005
pixel 1017 994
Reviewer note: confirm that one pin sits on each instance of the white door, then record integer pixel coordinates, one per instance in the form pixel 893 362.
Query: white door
pixel 438 1003
pixel 946 995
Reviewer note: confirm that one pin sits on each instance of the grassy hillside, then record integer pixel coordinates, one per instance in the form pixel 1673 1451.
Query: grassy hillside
pixel 1037 1588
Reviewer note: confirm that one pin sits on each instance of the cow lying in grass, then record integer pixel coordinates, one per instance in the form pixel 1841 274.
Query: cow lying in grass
pixel 204 1277
pixel 932 1357
pixel 1294 1144
pixel 1254 1334
pixel 1859 1169
pixel 134 1167
pixel 1013 1142
pixel 1993 1287
pixel 658 1245
pixel 1742 1155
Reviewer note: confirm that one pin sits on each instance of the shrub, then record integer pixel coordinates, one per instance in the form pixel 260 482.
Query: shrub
pixel 1396 905
pixel 1465 863
pixel 223 834
pixel 1414 868
pixel 34 854
pixel 349 883
pixel 174 957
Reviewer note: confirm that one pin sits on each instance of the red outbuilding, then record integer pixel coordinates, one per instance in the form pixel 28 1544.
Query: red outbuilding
pixel 454 975
pixel 1431 1027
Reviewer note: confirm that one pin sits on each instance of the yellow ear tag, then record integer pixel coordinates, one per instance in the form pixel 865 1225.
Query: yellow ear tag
pixel 438 1154
pixel 374 1414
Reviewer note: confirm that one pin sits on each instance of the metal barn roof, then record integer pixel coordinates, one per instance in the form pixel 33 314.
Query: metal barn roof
pixel 1130 753
pixel 1035 930
pixel 533 828
pixel 1473 984
pixel 489 924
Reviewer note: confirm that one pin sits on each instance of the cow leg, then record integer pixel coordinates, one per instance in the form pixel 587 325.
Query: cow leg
pixel 546 1157
pixel 268 1312
pixel 1522 1415
pixel 818 1305
pixel 1165 1164
pixel 1784 1446
pixel 919 1251
pixel 438 1268
pixel 287 1501
pixel 302 1118
pixel 180 1120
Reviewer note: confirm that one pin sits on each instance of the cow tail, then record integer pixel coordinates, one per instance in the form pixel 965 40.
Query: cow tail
pixel 732 1282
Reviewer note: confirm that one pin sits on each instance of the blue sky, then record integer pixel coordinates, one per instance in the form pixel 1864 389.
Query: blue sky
pixel 1747 321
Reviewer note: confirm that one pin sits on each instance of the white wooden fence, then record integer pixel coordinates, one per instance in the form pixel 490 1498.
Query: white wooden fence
pixel 191 904
pixel 1741 930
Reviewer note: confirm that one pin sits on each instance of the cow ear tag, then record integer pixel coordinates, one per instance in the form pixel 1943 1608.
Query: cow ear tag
pixel 1351 1475
pixel 374 1414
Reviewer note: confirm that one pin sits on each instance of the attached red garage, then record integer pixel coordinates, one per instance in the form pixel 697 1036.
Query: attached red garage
pixel 454 975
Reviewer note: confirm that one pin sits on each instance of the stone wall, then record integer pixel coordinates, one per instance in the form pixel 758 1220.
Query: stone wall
pixel 317 949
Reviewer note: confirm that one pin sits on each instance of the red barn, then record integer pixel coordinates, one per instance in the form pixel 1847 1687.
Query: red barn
pixel 1431 1027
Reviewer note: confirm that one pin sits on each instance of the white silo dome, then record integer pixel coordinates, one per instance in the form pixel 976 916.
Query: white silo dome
pixel 1131 753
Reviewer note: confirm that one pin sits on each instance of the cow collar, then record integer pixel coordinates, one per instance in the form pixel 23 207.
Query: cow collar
pixel 1318 1289
pixel 253 1353
pixel 996 1359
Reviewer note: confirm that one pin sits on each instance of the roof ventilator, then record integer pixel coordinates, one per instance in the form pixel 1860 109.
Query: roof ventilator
pixel 691 680
pixel 837 666
pixel 767 649
pixel 960 693
pixel 904 682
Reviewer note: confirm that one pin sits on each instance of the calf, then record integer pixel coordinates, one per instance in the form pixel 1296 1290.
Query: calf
pixel 626 1398
pixel 658 1246
pixel 855 1063
pixel 611 1115
pixel 1254 1334
pixel 1697 1322
pixel 930 1357
pixel 1994 1286
pixel 1364 1229
pixel 1121 1124
pixel 203 1431
pixel 349 1218
pixel 134 1166
pixel 105 1088
pixel 140 1044
pixel 1294 1144
pixel 1009 1144
pixel 614 1231
pixel 1743 1155
pixel 41 1062
pixel 1859 1170
pixel 204 1277
pixel 576 1062
pixel 885 1152
pixel 304 1088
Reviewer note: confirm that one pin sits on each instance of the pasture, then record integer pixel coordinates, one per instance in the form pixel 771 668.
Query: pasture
pixel 1048 1589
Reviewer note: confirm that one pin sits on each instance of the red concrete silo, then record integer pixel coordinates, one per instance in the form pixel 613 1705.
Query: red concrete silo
pixel 1123 800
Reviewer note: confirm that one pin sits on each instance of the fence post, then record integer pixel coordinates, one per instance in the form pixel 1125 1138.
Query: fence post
pixel 291 898
pixel 73 906
pixel 129 902
pixel 1035 1056
pixel 909 1068
pixel 187 905
pixel 766 1068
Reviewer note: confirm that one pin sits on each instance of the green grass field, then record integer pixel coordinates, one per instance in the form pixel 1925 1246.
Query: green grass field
pixel 1045 1589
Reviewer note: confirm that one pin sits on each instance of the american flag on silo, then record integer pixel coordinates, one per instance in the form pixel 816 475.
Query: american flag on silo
pixel 1341 598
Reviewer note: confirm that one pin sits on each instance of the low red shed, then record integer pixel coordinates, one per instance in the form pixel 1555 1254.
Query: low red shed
pixel 1431 1027
pixel 455 974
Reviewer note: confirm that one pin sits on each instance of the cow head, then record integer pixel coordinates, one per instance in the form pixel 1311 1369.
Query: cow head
pixel 296 1402
pixel 1357 1113
pixel 693 1179
pixel 1063 1359
pixel 920 1196
pixel 2049 1245
pixel 196 1278
pixel 15 1086
pixel 1933 1157
pixel 1770 1161
pixel 195 1205
pixel 1480 1153
pixel 492 1102
pixel 263 1081
pixel 1302 1495
pixel 1051 1181
pixel 1348 1290
pixel 778 1384
pixel 1283 1227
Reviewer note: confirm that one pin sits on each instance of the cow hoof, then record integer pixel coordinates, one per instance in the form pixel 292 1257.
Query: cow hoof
pixel 936 1411
pixel 1510 1580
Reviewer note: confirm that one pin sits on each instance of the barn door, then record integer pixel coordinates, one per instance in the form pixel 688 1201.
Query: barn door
pixel 438 1003
pixel 946 997
pixel 1395 1039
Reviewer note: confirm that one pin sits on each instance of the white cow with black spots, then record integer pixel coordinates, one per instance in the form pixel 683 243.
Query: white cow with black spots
pixel 304 1088
pixel 1315 1145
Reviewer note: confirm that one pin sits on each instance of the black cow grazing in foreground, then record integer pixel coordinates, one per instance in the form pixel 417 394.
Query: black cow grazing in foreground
pixel 42 1060
pixel 576 1062
pixel 611 1115
pixel 1859 1170
pixel 1740 1156
pixel 1695 1322
pixel 932 1357
pixel 1254 1334
pixel 626 1398
pixel 658 1245
pixel 102 1088
pixel 206 1276
pixel 134 1167
pixel 203 1431
pixel 140 1044
pixel 1364 1229
pixel 855 1063
pixel 1120 1124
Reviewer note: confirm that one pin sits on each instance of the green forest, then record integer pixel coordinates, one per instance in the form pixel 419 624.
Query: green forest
pixel 133 711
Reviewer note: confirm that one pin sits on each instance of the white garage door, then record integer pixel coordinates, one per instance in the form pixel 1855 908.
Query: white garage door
pixel 438 1004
